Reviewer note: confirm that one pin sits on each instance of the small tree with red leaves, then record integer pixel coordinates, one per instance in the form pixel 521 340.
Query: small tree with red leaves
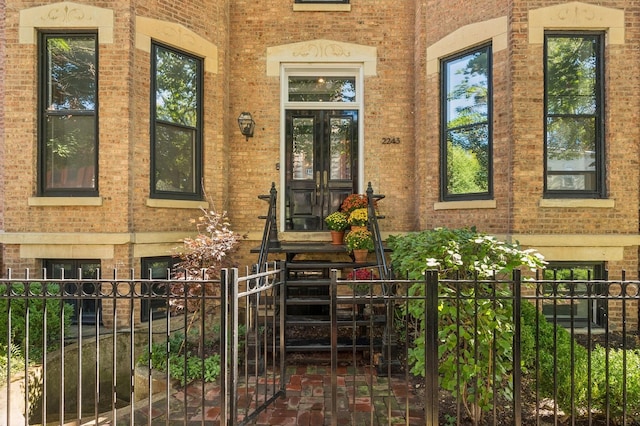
pixel 202 259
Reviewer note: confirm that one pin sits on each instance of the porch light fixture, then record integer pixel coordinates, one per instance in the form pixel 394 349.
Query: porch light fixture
pixel 246 124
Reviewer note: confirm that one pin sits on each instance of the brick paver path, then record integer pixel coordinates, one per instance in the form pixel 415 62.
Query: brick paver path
pixel 363 398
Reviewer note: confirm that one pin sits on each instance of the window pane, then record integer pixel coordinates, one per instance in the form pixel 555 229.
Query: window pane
pixel 340 148
pixel 466 140
pixel 303 129
pixel 322 89
pixel 571 75
pixel 467 89
pixel 174 159
pixel 585 305
pixel 71 73
pixel 69 153
pixel 176 88
pixel 571 156
pixel 467 161
pixel 177 108
pixel 573 115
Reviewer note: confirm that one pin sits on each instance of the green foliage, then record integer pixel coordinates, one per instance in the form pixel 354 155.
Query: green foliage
pixel 616 385
pixel 195 368
pixel 465 175
pixel 565 359
pixel 470 324
pixel 557 352
pixel 464 251
pixel 58 318
pixel 359 239
pixel 336 221
pixel 17 362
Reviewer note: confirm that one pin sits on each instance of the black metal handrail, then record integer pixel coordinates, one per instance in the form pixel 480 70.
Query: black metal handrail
pixel 381 261
pixel 270 234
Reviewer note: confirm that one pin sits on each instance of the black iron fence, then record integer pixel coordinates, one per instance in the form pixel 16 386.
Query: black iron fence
pixel 497 351
pixel 434 351
pixel 201 358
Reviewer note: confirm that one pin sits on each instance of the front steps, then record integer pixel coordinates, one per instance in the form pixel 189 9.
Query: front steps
pixel 308 322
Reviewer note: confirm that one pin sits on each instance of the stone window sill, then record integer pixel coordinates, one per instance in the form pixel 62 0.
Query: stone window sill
pixel 298 7
pixel 465 205
pixel 176 204
pixel 577 203
pixel 65 201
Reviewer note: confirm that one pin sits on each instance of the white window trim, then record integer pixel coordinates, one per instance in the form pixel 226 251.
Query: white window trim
pixel 320 70
pixel 321 57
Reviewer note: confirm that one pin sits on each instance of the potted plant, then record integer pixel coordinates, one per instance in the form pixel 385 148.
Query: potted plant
pixel 354 201
pixel 360 242
pixel 361 274
pixel 337 223
pixel 358 218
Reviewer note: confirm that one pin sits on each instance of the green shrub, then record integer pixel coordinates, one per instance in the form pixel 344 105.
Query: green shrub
pixel 558 368
pixel 58 318
pixel 469 328
pixel 616 384
pixel 195 367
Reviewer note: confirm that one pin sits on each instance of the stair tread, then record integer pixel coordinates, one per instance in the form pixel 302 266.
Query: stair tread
pixel 310 264
pixel 308 282
pixel 344 344
pixel 312 300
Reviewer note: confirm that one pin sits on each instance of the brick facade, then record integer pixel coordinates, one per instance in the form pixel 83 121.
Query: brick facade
pixel 237 39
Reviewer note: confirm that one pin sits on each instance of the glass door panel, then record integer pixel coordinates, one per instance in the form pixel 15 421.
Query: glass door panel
pixel 320 165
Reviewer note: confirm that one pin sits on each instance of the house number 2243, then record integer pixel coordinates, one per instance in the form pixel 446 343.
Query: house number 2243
pixel 390 141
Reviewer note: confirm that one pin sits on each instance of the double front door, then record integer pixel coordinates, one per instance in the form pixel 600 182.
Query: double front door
pixel 321 165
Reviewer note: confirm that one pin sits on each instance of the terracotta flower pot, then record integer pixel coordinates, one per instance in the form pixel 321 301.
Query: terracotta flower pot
pixel 337 238
pixel 360 255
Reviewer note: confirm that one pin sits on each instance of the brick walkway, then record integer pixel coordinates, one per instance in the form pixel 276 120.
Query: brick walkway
pixel 363 398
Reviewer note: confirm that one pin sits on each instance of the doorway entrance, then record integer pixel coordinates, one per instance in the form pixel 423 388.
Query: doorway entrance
pixel 321 165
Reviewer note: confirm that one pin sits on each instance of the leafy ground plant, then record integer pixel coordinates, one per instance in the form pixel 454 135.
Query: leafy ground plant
pixel 180 362
pixel 17 362
pixel 470 327
pixel 53 312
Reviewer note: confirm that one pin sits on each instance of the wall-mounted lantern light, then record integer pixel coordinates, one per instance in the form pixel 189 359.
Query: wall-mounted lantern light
pixel 246 124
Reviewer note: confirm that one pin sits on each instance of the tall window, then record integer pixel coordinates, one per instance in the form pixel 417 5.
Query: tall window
pixel 68 151
pixel 574 146
pixel 466 122
pixel 176 106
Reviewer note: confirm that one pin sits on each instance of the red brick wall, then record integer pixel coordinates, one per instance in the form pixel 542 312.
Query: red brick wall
pixel 386 25
pixel 208 19
pixel 622 89
pixel 2 126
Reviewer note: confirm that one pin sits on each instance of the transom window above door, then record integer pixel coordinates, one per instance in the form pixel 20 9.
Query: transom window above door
pixel 322 89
